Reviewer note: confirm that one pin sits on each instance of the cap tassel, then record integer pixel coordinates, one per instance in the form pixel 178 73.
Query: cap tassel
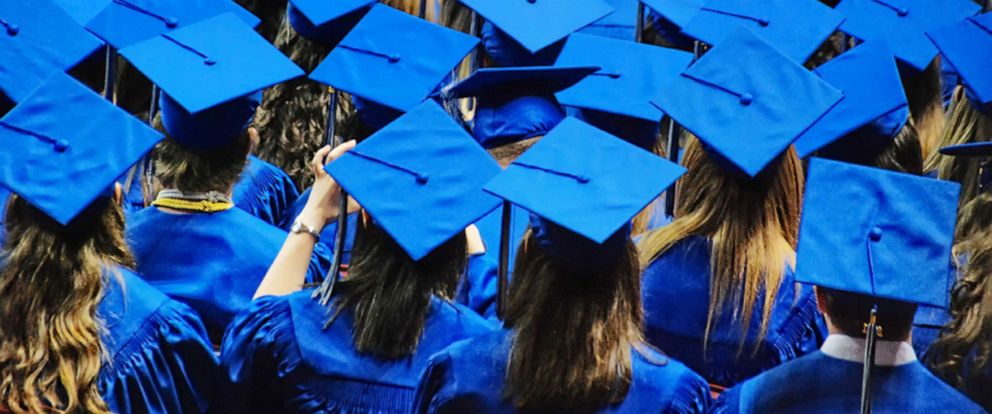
pixel 580 178
pixel 421 177
pixel 744 98
pixel 391 57
pixel 170 22
pixel 207 60
pixel 871 328
pixel 12 29
pixel 760 20
pixel 985 28
pixel 59 145
pixel 901 11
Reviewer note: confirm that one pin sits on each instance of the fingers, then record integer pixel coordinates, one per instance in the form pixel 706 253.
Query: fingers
pixel 338 151
pixel 316 166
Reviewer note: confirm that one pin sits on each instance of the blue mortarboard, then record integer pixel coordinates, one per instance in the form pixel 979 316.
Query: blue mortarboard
pixel 677 12
pixel 875 232
pixel 970 149
pixel 420 178
pixel 869 79
pixel 504 51
pixel 210 72
pixel 795 27
pixel 514 104
pixel 82 11
pixel 126 22
pixel 584 179
pixel 538 24
pixel 38 38
pixel 326 22
pixel 747 101
pixel 902 23
pixel 393 59
pixel 621 24
pixel 64 145
pixel 967 46
pixel 632 75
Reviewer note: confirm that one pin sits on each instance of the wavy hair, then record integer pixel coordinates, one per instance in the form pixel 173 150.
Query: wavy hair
pixel 965 124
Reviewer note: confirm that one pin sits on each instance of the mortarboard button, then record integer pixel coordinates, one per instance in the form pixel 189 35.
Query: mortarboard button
pixel 125 22
pixel 65 133
pixel 420 178
pixel 747 101
pixel 395 71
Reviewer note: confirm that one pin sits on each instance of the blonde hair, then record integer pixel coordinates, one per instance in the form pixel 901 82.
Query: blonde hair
pixel 52 283
pixel 753 225
pixel 965 124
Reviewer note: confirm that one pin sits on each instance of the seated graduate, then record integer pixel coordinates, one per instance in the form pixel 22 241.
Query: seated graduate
pixel 875 243
pixel 358 345
pixel 264 191
pixel 192 244
pixel 514 108
pixel 573 339
pixel 719 289
pixel 81 331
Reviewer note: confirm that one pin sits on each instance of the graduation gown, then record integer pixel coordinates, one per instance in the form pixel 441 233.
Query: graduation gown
pixel 328 235
pixel 676 301
pixel 211 262
pixel 818 383
pixel 281 359
pixel 265 191
pixel 160 359
pixel 479 286
pixel 468 378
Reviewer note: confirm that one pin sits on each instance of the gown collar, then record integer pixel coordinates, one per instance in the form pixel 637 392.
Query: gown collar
pixel 887 353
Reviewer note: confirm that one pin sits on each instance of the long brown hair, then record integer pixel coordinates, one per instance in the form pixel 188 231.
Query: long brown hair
pixel 926 104
pixel 582 325
pixel 51 283
pixel 962 356
pixel 753 225
pixel 391 294
pixel 965 124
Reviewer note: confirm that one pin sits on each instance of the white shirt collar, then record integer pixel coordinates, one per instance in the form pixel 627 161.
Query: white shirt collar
pixel 887 353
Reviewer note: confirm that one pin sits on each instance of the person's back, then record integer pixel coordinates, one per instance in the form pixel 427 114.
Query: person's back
pixel 676 289
pixel 265 191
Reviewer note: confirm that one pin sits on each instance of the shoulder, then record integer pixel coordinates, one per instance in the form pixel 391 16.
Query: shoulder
pixel 657 376
pixel 455 314
pixel 939 394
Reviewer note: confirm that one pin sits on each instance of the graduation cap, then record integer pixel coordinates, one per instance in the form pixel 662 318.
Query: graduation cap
pixel 967 47
pixel 747 101
pixel 587 181
pixel 63 146
pixel 393 59
pixel 902 24
pixel 621 24
pixel 326 22
pixel 869 79
pixel 535 25
pixel 420 178
pixel 504 51
pixel 514 104
pixel 795 27
pixel 975 149
pixel 210 73
pixel 125 22
pixel 677 12
pixel 37 38
pixel 82 11
pixel 632 76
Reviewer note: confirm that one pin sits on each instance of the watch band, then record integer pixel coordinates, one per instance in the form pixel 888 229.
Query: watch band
pixel 300 227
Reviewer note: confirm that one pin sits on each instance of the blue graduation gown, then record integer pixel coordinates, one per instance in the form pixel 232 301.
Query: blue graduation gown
pixel 327 236
pixel 281 359
pixel 211 262
pixel 265 191
pixel 817 383
pixel 676 301
pixel 468 378
pixel 161 360
pixel 480 283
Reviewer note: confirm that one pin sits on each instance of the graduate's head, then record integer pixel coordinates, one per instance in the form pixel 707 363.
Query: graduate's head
pixel 847 313
pixel 63 148
pixel 419 181
pixel 744 184
pixel 576 270
pixel 217 169
pixel 965 124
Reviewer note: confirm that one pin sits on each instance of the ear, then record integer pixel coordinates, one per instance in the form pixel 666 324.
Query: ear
pixel 821 300
pixel 118 193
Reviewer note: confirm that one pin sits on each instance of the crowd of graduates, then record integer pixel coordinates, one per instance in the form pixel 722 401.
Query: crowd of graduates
pixel 480 206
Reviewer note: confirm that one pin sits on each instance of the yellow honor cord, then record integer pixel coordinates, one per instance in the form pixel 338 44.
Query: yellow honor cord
pixel 202 206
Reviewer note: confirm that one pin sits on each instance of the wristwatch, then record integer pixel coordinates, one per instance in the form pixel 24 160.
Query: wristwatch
pixel 300 227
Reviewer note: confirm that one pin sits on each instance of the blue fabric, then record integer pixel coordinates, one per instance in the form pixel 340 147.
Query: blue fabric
pixel 326 22
pixel 927 324
pixel 536 25
pixel 211 262
pixel 327 236
pixel 265 191
pixel 818 383
pixel 676 290
pixel 957 44
pixel 621 24
pixel 160 359
pixel 212 128
pixel 479 287
pixel 468 378
pixel 504 51
pixel 122 26
pixel 281 359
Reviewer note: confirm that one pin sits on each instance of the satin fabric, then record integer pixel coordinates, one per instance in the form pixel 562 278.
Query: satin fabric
pixel 211 262
pixel 281 359
pixel 160 358
pixel 468 378
pixel 676 302
pixel 265 191
pixel 818 383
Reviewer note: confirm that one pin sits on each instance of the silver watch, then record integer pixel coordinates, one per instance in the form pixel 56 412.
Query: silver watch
pixel 300 227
